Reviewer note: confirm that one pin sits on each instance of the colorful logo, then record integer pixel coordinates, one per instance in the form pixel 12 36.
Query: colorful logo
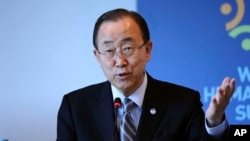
pixel 233 26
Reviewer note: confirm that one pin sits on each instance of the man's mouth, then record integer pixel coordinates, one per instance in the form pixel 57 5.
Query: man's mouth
pixel 123 75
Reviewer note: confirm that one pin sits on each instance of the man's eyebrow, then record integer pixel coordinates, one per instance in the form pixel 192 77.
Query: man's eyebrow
pixel 106 42
pixel 127 39
pixel 124 40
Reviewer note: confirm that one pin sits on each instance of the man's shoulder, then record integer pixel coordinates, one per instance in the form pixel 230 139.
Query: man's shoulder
pixel 173 91
pixel 89 90
pixel 85 98
pixel 173 86
pixel 176 94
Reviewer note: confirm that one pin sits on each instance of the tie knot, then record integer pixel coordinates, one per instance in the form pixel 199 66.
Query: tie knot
pixel 128 104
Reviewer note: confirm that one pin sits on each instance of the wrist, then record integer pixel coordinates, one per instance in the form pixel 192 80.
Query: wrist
pixel 214 123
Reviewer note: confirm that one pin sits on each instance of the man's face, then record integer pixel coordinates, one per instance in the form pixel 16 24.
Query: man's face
pixel 126 73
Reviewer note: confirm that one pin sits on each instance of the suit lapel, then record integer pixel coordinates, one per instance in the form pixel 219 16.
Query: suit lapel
pixel 153 108
pixel 104 112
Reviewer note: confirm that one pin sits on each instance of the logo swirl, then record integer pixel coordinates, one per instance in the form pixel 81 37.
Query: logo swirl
pixel 234 27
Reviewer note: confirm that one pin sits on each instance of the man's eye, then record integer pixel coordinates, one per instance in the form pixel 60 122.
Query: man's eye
pixel 109 51
pixel 127 48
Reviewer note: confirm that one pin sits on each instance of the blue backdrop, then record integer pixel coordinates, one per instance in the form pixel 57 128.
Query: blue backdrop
pixel 198 43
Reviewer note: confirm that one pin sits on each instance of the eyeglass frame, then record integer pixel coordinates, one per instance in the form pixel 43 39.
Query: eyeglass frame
pixel 122 51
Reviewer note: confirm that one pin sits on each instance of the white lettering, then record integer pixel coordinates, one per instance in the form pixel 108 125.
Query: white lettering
pixel 208 94
pixel 242 94
pixel 237 94
pixel 241 115
pixel 240 132
pixel 244 73
pixel 243 131
pixel 237 132
pixel 246 94
pixel 242 112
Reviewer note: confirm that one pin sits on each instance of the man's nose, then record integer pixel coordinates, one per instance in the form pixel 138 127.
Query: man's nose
pixel 120 59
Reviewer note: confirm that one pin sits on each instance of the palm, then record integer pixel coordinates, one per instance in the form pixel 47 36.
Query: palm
pixel 219 102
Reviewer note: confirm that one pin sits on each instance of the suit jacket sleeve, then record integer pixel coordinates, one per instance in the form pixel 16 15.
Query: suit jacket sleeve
pixel 65 126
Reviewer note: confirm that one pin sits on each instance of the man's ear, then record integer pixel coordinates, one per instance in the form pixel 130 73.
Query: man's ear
pixel 149 47
pixel 96 53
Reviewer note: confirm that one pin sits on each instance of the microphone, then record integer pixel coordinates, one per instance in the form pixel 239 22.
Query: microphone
pixel 117 105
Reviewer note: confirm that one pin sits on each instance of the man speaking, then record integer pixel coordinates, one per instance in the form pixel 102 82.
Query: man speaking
pixel 150 110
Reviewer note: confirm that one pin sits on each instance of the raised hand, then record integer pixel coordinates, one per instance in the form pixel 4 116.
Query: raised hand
pixel 219 102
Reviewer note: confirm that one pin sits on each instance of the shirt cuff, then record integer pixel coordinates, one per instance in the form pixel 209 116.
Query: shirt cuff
pixel 217 130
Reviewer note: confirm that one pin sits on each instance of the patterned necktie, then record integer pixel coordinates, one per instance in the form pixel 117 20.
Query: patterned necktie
pixel 127 130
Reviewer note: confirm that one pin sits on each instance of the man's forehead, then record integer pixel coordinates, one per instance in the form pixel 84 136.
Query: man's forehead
pixel 113 32
pixel 118 26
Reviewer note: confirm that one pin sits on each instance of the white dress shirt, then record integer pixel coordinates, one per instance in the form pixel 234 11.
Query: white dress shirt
pixel 137 97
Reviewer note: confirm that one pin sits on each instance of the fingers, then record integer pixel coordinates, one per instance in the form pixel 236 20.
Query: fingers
pixel 220 100
pixel 232 85
pixel 215 102
pixel 228 87
pixel 214 113
pixel 227 92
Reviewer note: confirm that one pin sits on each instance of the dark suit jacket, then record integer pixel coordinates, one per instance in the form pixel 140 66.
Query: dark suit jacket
pixel 87 114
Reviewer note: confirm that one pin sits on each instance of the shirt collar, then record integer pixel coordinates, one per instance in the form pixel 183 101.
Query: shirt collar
pixel 137 97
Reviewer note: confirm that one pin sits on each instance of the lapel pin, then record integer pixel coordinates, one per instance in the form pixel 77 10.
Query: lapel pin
pixel 153 111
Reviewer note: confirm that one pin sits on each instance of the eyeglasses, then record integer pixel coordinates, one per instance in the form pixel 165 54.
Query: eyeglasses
pixel 127 51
